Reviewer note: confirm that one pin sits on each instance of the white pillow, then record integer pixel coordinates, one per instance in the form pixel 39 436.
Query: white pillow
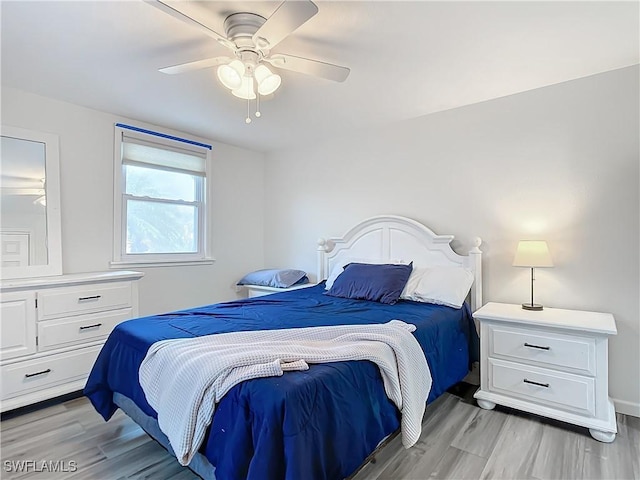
pixel 339 267
pixel 444 286
pixel 408 292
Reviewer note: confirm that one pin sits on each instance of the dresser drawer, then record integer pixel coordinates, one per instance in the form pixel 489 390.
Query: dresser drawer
pixel 543 386
pixel 556 350
pixel 41 373
pixel 67 301
pixel 84 328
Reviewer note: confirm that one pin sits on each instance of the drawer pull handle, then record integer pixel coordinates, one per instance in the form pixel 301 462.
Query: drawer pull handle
pixel 536 346
pixel 91 326
pixel 29 375
pixel 94 297
pixel 545 385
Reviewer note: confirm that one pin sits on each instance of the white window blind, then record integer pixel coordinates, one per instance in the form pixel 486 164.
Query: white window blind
pixel 138 152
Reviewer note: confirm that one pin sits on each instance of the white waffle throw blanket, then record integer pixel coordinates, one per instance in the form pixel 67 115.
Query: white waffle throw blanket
pixel 183 379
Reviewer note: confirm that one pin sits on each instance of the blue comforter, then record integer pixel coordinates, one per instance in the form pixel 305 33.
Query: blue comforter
pixel 316 424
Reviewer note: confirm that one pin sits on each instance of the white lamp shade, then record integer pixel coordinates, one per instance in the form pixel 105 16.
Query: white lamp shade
pixel 532 253
pixel 245 91
pixel 231 75
pixel 268 82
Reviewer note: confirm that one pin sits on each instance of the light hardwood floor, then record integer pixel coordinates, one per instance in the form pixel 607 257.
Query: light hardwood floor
pixel 459 441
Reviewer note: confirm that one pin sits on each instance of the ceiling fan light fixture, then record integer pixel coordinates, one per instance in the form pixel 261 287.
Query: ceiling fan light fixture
pixel 251 37
pixel 268 82
pixel 245 91
pixel 232 74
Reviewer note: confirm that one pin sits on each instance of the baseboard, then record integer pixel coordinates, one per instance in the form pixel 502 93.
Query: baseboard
pixel 628 408
pixel 15 412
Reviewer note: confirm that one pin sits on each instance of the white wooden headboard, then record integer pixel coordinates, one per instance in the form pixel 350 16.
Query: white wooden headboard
pixel 393 238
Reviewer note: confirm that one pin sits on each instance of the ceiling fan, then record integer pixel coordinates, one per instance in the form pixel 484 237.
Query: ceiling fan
pixel 251 37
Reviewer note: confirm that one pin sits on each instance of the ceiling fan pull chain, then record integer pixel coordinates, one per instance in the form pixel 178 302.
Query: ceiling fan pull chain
pixel 248 119
pixel 258 104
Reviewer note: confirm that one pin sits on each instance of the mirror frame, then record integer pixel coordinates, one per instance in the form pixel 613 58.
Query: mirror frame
pixel 52 191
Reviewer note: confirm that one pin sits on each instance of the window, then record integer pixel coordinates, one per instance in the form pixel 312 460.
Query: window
pixel 161 198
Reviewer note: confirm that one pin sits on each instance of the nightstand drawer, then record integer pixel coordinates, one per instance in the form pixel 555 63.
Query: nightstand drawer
pixel 68 301
pixel 569 392
pixel 568 352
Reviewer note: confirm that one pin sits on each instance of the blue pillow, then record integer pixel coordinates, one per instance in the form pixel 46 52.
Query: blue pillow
pixel 272 277
pixel 364 281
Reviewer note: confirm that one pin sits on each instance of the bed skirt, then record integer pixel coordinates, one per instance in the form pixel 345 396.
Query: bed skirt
pixel 199 464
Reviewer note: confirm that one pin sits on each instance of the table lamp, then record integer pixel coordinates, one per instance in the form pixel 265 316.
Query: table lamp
pixel 532 253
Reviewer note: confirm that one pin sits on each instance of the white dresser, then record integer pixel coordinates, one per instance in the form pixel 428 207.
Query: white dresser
pixel 52 328
pixel 552 362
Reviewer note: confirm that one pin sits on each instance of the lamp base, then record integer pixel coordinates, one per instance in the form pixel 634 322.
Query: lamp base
pixel 529 306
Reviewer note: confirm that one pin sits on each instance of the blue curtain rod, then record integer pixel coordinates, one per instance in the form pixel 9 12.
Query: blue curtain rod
pixel 163 135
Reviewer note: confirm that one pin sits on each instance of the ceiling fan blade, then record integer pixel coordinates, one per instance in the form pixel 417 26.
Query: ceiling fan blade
pixel 197 65
pixel 287 17
pixel 309 67
pixel 166 8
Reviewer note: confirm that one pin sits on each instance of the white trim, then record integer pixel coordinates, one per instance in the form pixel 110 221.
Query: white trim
pixel 626 407
pixel 203 227
pixel 150 263
pixel 52 190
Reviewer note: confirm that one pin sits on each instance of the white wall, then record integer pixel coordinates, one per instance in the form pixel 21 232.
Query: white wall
pixel 559 163
pixel 86 166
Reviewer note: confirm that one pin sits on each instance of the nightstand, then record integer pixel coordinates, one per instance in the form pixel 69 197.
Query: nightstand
pixel 552 362
pixel 261 290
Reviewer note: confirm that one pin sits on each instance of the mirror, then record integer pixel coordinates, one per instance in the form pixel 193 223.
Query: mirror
pixel 30 243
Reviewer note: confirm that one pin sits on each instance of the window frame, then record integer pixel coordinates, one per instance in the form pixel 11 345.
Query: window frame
pixel 169 142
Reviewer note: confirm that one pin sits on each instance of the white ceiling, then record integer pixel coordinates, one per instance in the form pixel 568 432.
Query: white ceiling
pixel 407 59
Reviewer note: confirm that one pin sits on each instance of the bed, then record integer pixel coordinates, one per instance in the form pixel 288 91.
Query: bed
pixel 321 423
